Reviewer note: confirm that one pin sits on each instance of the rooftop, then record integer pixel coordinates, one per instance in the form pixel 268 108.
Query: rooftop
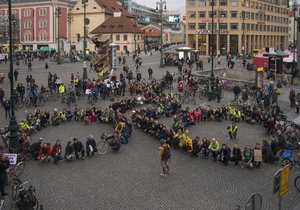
pixel 112 6
pixel 117 24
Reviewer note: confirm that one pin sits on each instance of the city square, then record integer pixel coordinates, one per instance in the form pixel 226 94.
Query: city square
pixel 234 62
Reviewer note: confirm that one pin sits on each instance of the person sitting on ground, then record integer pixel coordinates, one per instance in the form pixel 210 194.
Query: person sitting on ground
pixel 236 154
pixel 45 152
pixel 248 156
pixel 69 151
pixel 34 149
pixel 232 130
pixel 115 144
pixel 196 146
pixel 214 147
pixel 78 149
pixel 187 143
pixel 56 151
pixel 91 147
pixel 225 154
pixel 204 147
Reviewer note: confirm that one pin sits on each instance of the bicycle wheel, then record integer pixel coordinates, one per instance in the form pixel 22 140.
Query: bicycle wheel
pixel 40 102
pixel 28 103
pixel 20 104
pixel 27 156
pixel 14 191
pixel 102 147
pixel 297 183
pixel 286 161
pixel 19 169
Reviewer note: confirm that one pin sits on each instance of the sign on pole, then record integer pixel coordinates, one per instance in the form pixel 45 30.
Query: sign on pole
pixel 284 180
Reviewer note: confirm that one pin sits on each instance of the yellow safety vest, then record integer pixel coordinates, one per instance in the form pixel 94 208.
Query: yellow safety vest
pixel 101 73
pixel 75 81
pixel 233 129
pixel 61 89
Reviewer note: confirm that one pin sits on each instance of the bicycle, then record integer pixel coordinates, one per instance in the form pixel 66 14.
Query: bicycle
pixel 29 102
pixel 22 195
pixel 15 171
pixel 287 155
pixel 24 154
pixel 102 145
pixel 297 183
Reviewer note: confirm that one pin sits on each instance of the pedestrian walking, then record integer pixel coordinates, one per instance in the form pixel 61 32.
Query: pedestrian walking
pixel 29 65
pixel 297 103
pixel 46 66
pixel 16 74
pixel 165 155
pixel 150 72
pixel 91 66
pixel 7 108
pixel 5 59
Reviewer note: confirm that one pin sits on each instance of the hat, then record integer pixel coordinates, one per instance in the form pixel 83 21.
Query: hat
pixel 40 140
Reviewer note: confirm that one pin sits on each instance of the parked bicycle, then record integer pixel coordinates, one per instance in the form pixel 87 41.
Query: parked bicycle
pixel 15 171
pixel 104 143
pixel 297 183
pixel 24 196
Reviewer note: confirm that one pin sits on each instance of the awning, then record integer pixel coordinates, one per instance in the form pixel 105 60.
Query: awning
pixel 46 49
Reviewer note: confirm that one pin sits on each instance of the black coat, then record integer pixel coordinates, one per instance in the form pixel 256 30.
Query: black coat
pixel 4 164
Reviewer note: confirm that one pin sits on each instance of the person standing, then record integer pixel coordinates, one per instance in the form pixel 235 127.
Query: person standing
pixel 297 103
pixel 4 164
pixel 46 66
pixel 16 74
pixel 7 108
pixel 29 65
pixel 150 72
pixel 165 154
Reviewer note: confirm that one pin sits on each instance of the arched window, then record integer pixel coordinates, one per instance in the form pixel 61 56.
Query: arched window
pixel 27 36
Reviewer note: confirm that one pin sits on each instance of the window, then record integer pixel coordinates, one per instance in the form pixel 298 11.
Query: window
pixel 27 13
pixel 210 13
pixel 223 2
pixel 43 37
pixel 234 14
pixel 223 14
pixel 124 47
pixel 234 3
pixel 117 37
pixel 234 26
pixel 192 3
pixel 27 24
pixel 202 26
pixel 210 26
pixel 202 3
pixel 27 36
pixel 192 14
pixel 42 12
pixel 191 26
pixel 42 24
pixel 202 14
pixel 125 38
pixel 223 26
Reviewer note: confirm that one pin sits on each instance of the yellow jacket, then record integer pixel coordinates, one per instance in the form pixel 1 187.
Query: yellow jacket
pixel 61 89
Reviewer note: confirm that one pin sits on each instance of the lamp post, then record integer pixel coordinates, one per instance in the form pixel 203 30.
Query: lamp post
pixel 135 37
pixel 244 39
pixel 161 5
pixel 70 19
pixel 294 32
pixel 212 75
pixel 58 12
pixel 84 76
pixel 13 126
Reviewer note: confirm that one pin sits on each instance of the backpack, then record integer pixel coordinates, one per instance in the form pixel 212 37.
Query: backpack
pixel 167 153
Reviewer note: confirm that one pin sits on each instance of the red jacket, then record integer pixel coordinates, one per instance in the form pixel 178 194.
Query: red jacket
pixel 56 149
pixel 45 151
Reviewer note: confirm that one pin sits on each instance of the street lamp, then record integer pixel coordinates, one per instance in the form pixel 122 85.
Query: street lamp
pixel 58 13
pixel 244 38
pixel 70 20
pixel 161 5
pixel 294 35
pixel 85 3
pixel 212 75
pixel 13 125
pixel 135 19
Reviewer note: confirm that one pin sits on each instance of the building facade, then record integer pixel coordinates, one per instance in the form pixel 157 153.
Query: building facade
pixel 40 23
pixel 238 25
pixel 97 11
pixel 144 15
pixel 293 24
pixel 124 32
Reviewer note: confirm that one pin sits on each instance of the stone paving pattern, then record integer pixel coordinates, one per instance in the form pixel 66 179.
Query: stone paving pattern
pixel 130 179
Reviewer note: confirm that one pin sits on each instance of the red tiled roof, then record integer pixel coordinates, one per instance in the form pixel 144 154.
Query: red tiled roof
pixel 120 24
pixel 112 6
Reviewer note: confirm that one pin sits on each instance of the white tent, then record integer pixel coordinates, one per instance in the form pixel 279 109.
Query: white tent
pixel 290 58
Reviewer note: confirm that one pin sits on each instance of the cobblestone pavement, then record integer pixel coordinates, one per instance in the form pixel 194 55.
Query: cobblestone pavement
pixel 130 179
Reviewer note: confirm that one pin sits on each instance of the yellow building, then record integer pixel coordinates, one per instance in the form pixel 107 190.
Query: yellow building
pixel 97 11
pixel 263 23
